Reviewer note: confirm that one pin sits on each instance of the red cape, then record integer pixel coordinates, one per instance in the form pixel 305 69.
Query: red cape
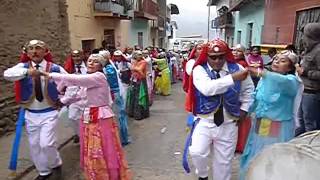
pixel 69 65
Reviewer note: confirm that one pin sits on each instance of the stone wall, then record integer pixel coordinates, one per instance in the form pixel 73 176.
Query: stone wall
pixel 21 21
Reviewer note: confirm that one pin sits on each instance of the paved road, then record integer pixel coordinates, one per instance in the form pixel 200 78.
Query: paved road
pixel 152 155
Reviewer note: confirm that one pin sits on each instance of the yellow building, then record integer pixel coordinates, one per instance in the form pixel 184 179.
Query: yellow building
pixel 116 22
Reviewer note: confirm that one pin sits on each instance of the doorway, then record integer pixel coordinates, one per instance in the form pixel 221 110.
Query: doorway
pixel 109 39
pixel 87 45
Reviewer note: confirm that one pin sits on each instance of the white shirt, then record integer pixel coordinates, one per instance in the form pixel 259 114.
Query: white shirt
pixel 211 87
pixel 75 109
pixel 18 72
pixel 83 68
pixel 189 66
pixel 122 66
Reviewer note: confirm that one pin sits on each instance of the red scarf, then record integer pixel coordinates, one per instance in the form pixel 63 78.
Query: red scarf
pixel 185 82
pixel 69 65
pixel 193 52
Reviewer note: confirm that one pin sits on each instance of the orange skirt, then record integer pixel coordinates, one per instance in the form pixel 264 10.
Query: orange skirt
pixel 101 153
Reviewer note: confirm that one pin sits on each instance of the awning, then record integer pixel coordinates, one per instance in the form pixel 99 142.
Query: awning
pixel 174 9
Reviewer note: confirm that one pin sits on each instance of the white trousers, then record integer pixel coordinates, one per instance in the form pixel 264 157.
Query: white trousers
pixel 125 90
pixel 75 126
pixel 75 113
pixel 41 130
pixel 221 140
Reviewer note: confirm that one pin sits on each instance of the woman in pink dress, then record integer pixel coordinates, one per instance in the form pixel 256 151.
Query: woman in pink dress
pixel 101 154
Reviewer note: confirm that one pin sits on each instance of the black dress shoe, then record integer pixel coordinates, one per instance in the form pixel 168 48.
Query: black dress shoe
pixel 56 173
pixel 200 178
pixel 57 169
pixel 46 177
pixel 76 139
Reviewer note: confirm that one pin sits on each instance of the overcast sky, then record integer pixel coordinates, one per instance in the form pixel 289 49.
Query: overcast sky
pixel 193 17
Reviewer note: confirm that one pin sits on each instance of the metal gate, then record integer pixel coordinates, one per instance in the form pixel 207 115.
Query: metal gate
pixel 302 18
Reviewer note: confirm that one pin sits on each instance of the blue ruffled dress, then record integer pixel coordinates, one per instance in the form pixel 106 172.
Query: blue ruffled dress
pixel 272 115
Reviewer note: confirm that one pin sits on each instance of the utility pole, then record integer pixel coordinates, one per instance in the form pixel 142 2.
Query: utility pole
pixel 208 23
pixel 209 5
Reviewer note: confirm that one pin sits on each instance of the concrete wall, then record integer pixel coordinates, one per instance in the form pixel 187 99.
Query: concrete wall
pixel 139 25
pixel 282 14
pixel 84 25
pixel 21 21
pixel 250 13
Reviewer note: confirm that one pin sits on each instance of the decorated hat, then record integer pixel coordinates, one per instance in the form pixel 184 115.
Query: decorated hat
pixel 217 47
pixel 35 43
pixel 75 52
pixel 117 53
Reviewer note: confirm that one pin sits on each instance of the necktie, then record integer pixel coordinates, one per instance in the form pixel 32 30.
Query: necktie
pixel 37 86
pixel 218 116
pixel 79 69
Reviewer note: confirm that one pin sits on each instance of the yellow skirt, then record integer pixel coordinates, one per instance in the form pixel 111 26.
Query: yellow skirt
pixel 163 83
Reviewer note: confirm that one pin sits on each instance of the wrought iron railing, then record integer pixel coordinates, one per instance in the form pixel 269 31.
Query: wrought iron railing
pixel 121 7
pixel 223 21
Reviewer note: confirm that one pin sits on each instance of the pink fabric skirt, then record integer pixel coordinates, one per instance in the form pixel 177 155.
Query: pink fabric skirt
pixel 101 154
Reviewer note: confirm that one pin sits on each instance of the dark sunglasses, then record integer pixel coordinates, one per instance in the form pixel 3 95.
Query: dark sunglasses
pixel 216 57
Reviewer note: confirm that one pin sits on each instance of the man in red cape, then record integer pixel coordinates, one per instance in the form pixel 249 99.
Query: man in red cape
pixel 75 64
pixel 39 96
pixel 219 95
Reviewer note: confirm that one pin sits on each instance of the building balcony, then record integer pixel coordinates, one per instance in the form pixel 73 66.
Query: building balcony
pixel 223 21
pixel 234 5
pixel 146 9
pixel 113 8
pixel 158 24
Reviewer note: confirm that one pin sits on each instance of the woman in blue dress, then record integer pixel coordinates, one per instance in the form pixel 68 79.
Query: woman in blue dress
pixel 118 103
pixel 273 107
